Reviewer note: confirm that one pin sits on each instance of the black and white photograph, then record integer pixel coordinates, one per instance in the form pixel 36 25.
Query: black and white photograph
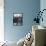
pixel 18 19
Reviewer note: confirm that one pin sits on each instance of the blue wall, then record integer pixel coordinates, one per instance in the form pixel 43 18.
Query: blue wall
pixel 28 8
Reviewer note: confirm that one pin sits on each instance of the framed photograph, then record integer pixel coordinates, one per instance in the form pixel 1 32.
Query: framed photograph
pixel 18 19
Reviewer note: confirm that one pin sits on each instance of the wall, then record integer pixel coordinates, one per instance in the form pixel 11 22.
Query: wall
pixel 28 8
pixel 43 6
pixel 1 20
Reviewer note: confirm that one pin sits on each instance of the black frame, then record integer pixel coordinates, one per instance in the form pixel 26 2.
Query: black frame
pixel 17 19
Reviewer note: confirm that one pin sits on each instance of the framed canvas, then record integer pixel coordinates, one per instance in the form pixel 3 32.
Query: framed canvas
pixel 18 19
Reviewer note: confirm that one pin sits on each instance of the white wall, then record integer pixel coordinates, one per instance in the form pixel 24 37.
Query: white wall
pixel 43 6
pixel 1 20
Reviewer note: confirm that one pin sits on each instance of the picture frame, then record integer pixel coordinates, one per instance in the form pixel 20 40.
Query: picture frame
pixel 18 19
